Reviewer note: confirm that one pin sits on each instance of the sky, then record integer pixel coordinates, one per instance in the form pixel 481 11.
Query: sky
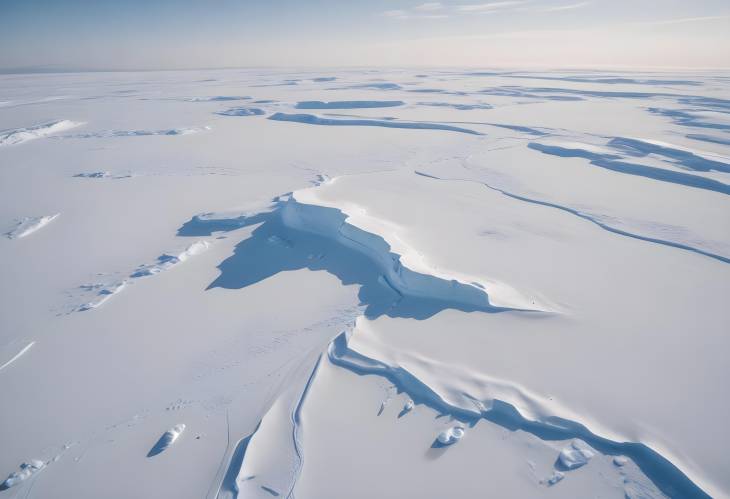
pixel 181 34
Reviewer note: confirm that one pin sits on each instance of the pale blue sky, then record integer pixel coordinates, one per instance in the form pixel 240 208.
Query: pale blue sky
pixel 168 34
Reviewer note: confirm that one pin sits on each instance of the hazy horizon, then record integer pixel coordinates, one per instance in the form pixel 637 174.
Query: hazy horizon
pixel 80 35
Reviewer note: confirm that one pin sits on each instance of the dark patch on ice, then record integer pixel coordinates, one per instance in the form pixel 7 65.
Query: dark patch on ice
pixel 270 491
pixel 242 111
pixel 348 104
pixel 324 79
pixel 316 120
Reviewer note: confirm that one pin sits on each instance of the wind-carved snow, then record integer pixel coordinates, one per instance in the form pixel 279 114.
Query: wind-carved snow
pixel 311 119
pixel 348 104
pixel 26 471
pixel 602 158
pixel 241 111
pixel 468 397
pixel 17 355
pixel 104 292
pixel 29 225
pixel 167 439
pixel 577 454
pixel 675 237
pixel 450 435
pixel 20 135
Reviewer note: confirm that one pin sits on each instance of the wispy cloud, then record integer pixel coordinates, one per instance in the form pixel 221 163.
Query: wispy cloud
pixel 684 20
pixel 429 6
pixel 558 8
pixel 437 10
pixel 490 6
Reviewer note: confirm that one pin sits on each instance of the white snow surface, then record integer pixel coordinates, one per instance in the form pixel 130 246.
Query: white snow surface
pixel 516 285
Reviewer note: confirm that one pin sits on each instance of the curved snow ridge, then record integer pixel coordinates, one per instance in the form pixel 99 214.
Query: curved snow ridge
pixel 17 355
pixel 597 220
pixel 311 119
pixel 20 135
pixel 468 398
pixel 404 268
pixel 29 225
pixel 164 262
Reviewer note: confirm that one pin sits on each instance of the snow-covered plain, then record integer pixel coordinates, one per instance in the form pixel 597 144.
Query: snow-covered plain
pixel 364 283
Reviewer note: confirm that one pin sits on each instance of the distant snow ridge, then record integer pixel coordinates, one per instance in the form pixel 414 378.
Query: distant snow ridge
pixel 20 135
pixel 102 175
pixel 29 225
pixel 242 111
pixel 513 407
pixel 167 439
pixel 26 471
pixel 137 133
pixel 311 119
pixel 167 261
pixel 348 104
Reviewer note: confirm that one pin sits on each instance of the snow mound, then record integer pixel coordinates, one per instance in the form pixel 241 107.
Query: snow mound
pixel 576 455
pixel 20 135
pixel 555 478
pixel 242 111
pixel 450 435
pixel 26 471
pixel 29 225
pixel 167 439
pixel 167 261
pixel 104 293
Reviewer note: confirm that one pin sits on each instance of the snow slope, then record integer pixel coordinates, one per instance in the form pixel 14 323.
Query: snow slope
pixel 271 283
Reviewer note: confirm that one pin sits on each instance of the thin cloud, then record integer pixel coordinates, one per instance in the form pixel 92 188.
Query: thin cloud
pixel 479 7
pixel 429 6
pixel 683 20
pixel 572 6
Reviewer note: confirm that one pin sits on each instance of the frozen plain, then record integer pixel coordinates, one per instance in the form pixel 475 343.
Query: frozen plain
pixel 364 283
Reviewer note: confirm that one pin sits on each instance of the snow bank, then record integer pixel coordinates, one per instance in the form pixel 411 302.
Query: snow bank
pixel 167 439
pixel 577 454
pixel 30 225
pixel 20 135
pixel 26 471
pixel 450 435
